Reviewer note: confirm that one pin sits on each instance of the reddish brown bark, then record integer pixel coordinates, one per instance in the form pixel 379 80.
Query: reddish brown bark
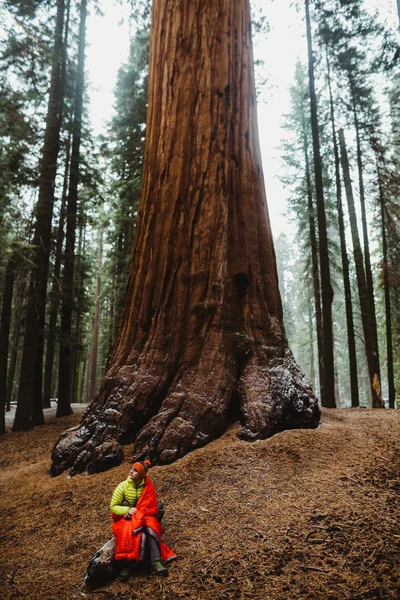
pixel 202 335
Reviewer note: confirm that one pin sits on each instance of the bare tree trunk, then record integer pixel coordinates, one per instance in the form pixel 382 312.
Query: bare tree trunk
pixel 202 333
pixel 379 157
pixel 18 322
pixel 386 286
pixel 29 409
pixel 13 363
pixel 94 346
pixel 65 359
pixel 311 337
pixel 345 261
pixel 55 294
pixel 328 384
pixel 56 284
pixel 315 270
pixel 79 295
pixel 377 401
pixel 5 336
pixel 367 257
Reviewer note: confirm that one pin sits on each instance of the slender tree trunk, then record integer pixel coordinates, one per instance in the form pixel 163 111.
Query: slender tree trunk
pixel 386 283
pixel 120 296
pixel 311 337
pixel 80 297
pixel 13 364
pixel 377 401
pixel 315 270
pixel 328 384
pixel 65 358
pixel 29 409
pixel 55 295
pixel 202 334
pixel 389 339
pixel 82 380
pixel 111 327
pixel 94 346
pixel 56 285
pixel 367 257
pixel 18 312
pixel 5 336
pixel 355 401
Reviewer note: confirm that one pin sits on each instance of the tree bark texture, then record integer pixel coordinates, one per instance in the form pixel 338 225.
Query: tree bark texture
pixel 328 385
pixel 65 375
pixel 315 262
pixel 55 296
pixel 29 408
pixel 56 285
pixel 367 256
pixel 5 323
pixel 18 310
pixel 366 318
pixel 79 271
pixel 351 341
pixel 386 287
pixel 202 335
pixel 94 346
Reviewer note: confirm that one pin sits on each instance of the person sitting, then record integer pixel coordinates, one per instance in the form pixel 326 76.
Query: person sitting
pixel 137 531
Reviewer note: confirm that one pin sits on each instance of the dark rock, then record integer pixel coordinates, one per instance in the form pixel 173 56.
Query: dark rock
pixel 101 568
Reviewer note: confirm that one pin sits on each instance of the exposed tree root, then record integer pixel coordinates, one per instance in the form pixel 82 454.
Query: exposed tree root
pixel 165 422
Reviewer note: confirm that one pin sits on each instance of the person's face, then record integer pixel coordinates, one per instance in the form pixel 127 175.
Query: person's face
pixel 135 476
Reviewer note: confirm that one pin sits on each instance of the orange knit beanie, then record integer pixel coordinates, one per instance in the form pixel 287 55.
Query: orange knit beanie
pixel 142 467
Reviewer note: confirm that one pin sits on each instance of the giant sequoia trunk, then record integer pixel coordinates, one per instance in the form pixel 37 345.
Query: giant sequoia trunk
pixel 202 338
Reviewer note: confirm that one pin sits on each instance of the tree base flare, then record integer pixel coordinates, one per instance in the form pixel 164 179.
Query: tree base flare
pixel 194 411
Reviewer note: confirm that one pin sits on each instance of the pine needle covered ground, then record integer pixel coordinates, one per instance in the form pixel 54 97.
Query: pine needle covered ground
pixel 305 514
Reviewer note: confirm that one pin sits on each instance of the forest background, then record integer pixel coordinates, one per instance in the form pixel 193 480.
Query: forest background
pixel 47 110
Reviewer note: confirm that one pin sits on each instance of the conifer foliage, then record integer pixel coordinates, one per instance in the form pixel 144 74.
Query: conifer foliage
pixel 350 49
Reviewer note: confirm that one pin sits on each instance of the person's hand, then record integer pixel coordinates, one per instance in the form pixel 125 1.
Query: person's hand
pixel 132 511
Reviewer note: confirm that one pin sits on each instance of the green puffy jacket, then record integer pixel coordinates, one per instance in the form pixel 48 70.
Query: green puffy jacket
pixel 126 492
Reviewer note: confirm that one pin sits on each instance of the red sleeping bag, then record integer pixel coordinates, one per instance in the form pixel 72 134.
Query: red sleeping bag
pixel 129 536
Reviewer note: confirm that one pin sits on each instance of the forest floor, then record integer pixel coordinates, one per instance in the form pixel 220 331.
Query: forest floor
pixel 309 514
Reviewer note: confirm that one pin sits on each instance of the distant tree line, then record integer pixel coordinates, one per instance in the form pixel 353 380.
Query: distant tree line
pixel 63 194
pixel 342 164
